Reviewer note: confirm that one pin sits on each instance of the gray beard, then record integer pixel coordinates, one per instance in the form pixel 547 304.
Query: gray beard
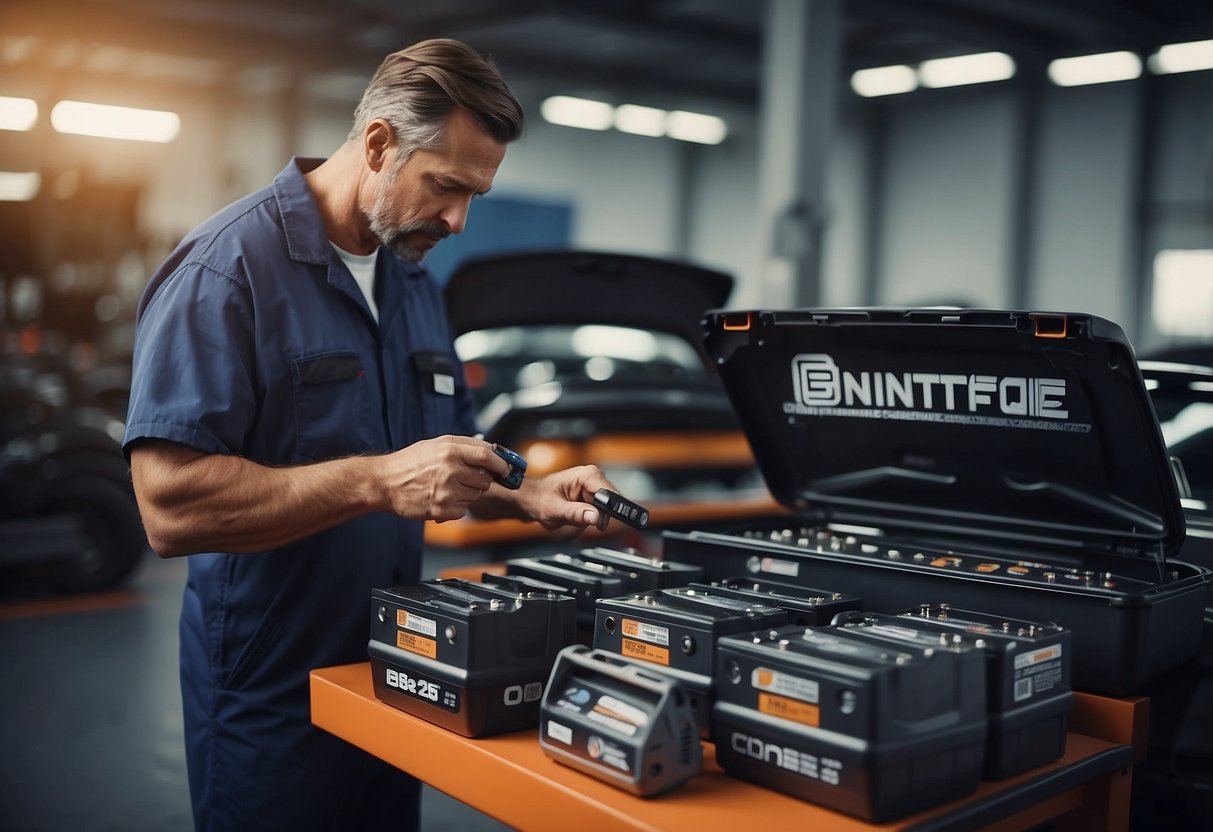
pixel 395 238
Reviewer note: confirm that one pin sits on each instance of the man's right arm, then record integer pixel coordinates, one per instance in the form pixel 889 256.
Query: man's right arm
pixel 197 502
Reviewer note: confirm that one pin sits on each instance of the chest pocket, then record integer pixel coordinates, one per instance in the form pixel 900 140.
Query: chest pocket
pixel 332 407
pixel 435 373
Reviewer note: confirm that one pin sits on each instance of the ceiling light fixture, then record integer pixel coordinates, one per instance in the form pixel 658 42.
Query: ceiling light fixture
pixel 981 68
pixel 19 187
pixel 1094 69
pixel 577 112
pixel 884 80
pixel 695 127
pixel 17 113
pixel 110 122
pixel 642 121
pixel 1183 57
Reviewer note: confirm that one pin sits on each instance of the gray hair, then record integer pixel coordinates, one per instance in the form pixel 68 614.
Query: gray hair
pixel 415 89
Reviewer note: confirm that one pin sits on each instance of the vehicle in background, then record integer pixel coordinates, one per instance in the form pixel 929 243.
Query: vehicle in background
pixel 589 357
pixel 67 510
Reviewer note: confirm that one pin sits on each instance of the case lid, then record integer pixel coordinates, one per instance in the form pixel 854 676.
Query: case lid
pixel 1027 427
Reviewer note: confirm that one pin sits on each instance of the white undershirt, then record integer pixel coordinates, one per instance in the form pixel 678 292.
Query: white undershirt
pixel 362 267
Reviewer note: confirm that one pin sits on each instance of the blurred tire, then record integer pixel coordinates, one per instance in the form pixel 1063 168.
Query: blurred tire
pixel 109 519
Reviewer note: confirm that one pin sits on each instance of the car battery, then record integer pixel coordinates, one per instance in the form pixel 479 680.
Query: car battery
pixel 585 583
pixel 873 727
pixel 646 573
pixel 1028 698
pixel 806 606
pixel 619 722
pixel 675 630
pixel 1008 462
pixel 467 656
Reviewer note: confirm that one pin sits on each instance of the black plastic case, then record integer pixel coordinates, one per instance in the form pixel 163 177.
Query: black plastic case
pixel 619 722
pixel 469 657
pixel 1009 462
pixel 873 727
pixel 1027 683
pixel 675 630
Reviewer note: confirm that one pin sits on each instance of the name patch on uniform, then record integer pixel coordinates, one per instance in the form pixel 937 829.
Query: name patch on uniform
pixel 437 371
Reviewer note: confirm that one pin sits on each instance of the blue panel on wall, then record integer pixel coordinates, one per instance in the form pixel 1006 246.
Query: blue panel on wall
pixel 498 224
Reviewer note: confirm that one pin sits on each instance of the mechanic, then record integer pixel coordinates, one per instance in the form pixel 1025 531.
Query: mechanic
pixel 297 411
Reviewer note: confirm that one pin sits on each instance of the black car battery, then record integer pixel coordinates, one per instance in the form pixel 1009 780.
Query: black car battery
pixel 1028 698
pixel 675 630
pixel 873 727
pixel 467 656
pixel 646 573
pixel 806 606
pixel 1009 462
pixel 619 722
pixel 586 584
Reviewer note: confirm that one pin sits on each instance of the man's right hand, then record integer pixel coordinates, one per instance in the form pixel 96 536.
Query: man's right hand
pixel 437 479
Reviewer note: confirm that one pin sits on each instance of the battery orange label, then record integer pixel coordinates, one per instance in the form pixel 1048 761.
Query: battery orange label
pixel 416 644
pixel 785 708
pixel 648 652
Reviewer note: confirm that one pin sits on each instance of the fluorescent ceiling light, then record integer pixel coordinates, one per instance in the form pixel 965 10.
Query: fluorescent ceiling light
pixel 17 113
pixel 643 121
pixel 1095 69
pixel 1183 57
pixel 19 187
pixel 966 69
pixel 109 122
pixel 884 80
pixel 577 112
pixel 695 127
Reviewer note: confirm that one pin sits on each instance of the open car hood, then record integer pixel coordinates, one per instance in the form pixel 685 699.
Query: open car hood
pixel 580 287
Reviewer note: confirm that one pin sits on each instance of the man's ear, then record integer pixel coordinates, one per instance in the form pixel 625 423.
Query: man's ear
pixel 377 140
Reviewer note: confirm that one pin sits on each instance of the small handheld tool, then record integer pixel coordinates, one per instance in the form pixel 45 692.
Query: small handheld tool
pixel 517 467
pixel 615 505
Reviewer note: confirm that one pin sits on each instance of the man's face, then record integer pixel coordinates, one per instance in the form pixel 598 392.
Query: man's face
pixel 426 198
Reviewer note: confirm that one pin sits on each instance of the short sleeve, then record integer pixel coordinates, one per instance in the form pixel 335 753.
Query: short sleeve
pixel 193 374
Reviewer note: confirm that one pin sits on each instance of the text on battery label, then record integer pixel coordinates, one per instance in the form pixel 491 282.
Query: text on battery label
pixel 1044 654
pixel 774 681
pixel 648 652
pixel 416 644
pixel 825 769
pixel 648 632
pixel 790 709
pixel 416 623
pixel 1038 678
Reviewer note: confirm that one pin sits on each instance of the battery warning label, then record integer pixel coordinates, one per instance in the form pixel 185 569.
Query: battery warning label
pixel 773 681
pixel 416 644
pixel 1038 672
pixel 647 652
pixel 790 709
pixel 648 632
pixel 416 623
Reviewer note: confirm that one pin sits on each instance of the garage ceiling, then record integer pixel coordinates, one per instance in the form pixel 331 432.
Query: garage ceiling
pixel 687 53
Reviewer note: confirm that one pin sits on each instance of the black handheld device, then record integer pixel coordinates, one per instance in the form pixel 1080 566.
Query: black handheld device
pixel 615 505
pixel 517 467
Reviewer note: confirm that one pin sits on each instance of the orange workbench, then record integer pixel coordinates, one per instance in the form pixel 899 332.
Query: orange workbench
pixel 509 778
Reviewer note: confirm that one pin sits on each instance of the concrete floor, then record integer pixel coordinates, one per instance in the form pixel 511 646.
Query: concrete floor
pixel 90 711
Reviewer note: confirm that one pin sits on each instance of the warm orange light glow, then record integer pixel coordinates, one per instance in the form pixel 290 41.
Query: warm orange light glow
pixel 110 122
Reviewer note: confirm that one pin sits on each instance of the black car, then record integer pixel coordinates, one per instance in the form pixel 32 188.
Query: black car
pixel 67 510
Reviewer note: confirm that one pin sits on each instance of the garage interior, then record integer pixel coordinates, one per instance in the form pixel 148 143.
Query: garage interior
pixel 839 168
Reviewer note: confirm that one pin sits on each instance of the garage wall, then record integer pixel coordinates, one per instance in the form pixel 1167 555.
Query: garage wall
pixel 930 220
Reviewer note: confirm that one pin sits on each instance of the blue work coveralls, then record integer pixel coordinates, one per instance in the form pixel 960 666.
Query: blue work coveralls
pixel 253 339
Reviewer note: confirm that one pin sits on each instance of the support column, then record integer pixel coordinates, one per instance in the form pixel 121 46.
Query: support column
pixel 802 47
